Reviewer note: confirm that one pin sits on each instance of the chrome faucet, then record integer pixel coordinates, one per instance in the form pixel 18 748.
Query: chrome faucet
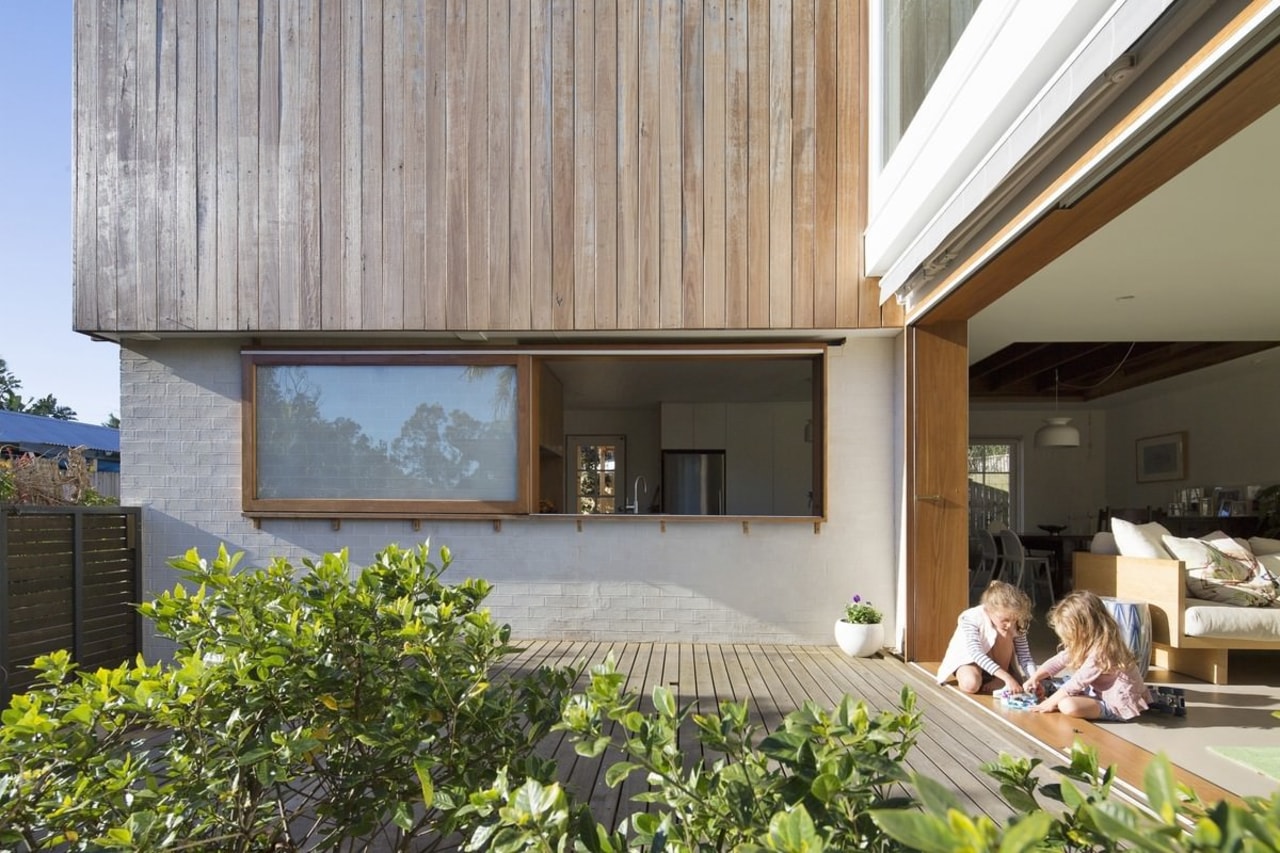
pixel 634 506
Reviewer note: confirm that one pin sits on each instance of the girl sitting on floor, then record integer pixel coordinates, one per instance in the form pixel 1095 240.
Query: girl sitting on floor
pixel 1106 683
pixel 989 648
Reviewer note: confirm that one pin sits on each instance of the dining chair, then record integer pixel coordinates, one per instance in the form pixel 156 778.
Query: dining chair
pixel 988 566
pixel 1136 514
pixel 1015 563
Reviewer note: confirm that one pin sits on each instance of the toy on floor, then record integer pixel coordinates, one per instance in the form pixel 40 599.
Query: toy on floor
pixel 1167 700
pixel 1015 701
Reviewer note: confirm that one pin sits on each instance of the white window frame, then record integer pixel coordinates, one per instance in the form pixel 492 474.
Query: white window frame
pixel 1015 475
pixel 1011 54
pixel 572 444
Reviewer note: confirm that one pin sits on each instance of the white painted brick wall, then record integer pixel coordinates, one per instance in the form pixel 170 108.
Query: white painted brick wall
pixel 622 579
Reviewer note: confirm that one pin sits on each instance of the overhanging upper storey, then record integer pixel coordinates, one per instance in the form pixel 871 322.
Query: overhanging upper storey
pixel 443 166
pixel 1023 84
pixel 1191 80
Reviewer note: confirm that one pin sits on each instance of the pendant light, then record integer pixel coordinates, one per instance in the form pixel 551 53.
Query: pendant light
pixel 1057 431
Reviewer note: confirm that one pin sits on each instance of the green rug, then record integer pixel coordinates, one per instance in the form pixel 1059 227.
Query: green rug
pixel 1260 759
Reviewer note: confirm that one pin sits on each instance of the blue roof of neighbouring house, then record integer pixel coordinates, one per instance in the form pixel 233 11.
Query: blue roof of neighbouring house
pixel 22 429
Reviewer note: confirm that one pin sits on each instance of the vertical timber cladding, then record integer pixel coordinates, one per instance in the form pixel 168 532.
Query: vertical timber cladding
pixel 937 485
pixel 479 165
pixel 70 580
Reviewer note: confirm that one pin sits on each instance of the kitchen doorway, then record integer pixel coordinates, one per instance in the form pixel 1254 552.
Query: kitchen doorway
pixel 597 473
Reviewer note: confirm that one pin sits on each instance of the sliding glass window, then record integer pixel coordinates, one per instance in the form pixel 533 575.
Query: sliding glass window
pixel 556 430
pixel 918 37
pixel 374 433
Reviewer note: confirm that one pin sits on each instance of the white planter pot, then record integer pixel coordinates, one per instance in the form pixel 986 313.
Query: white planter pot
pixel 859 641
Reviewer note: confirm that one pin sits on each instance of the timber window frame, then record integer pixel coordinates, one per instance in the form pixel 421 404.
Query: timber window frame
pixel 334 446
pixel 512 495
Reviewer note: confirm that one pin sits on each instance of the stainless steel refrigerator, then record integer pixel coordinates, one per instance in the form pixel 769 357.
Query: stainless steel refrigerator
pixel 693 482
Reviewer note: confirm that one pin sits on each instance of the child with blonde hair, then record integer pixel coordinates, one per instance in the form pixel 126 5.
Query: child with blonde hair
pixel 989 648
pixel 1106 683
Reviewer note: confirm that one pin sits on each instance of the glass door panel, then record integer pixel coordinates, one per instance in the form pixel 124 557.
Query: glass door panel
pixel 596 472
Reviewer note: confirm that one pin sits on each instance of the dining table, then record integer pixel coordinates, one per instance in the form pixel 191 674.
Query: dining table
pixel 1061 545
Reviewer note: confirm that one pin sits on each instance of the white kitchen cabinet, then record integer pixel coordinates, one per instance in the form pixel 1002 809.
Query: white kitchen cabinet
pixel 677 426
pixel 749 460
pixel 693 426
pixel 709 421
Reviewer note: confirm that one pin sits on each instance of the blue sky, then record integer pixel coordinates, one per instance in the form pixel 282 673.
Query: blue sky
pixel 36 339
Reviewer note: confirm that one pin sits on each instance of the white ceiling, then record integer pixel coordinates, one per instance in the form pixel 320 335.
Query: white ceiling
pixel 1194 261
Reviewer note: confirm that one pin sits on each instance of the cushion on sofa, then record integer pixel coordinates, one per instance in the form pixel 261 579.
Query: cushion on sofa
pixel 1103 542
pixel 1262 546
pixel 1270 563
pixel 1202 619
pixel 1237 549
pixel 1207 557
pixel 1140 540
pixel 1222 570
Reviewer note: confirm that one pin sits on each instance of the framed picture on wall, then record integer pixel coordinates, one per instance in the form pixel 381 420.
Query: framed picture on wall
pixel 1162 457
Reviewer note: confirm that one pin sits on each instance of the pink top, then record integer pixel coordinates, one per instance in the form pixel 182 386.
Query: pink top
pixel 1124 691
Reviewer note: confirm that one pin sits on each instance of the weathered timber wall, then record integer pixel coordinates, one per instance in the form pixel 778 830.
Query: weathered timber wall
pixel 470 165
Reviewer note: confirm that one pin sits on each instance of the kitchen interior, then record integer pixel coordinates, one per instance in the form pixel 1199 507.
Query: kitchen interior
pixel 679 435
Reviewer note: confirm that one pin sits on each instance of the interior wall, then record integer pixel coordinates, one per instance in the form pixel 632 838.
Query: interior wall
pixel 641 428
pixel 1060 485
pixel 768 461
pixel 1229 413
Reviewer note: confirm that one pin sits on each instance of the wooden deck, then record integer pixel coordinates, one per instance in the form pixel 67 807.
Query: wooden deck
pixel 960 732
pixel 775 680
pixel 1057 733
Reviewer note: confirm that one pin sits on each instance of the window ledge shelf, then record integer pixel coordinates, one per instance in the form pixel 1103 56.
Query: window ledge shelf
pixel 416 519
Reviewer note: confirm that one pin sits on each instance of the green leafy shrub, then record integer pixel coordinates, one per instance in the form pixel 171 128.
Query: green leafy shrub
pixel 8 491
pixel 822 774
pixel 311 710
pixel 1081 812
pixel 834 780
pixel 318 710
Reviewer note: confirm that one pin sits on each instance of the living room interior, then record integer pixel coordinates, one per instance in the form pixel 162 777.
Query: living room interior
pixel 1192 262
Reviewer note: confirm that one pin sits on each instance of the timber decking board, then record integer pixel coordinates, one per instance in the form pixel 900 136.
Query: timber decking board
pixel 605 801
pixel 958 750
pixel 879 697
pixel 687 693
pixel 961 732
pixel 773 681
pixel 557 745
pixel 579 772
pixel 764 711
pixel 1057 732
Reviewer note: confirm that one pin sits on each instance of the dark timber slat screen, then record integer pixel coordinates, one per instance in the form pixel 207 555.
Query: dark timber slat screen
pixel 69 579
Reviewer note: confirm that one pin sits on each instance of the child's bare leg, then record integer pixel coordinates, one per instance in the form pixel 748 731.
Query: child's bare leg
pixel 970 678
pixel 1081 706
pixel 1003 654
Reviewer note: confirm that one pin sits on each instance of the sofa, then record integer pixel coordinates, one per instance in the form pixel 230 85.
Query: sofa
pixel 1207 596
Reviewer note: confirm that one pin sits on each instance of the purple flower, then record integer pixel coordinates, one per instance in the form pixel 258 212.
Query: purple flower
pixel 861 611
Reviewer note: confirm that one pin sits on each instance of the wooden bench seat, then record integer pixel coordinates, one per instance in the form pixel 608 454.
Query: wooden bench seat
pixel 1160 583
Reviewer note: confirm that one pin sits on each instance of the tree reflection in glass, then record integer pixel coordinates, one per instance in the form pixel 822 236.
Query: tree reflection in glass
pixel 595 474
pixel 426 432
